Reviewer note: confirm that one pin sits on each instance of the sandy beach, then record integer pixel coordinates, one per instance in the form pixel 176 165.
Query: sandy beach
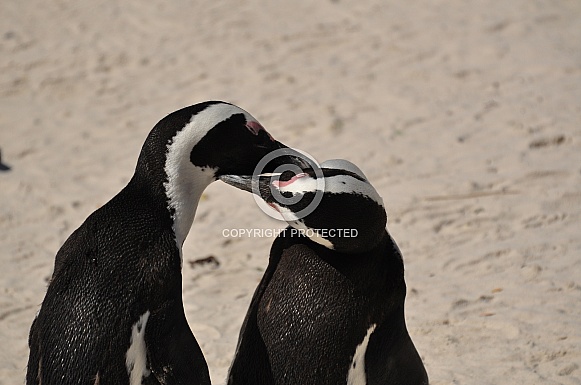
pixel 466 117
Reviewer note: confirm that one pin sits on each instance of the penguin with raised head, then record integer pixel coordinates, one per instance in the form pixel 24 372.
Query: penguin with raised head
pixel 113 310
pixel 330 306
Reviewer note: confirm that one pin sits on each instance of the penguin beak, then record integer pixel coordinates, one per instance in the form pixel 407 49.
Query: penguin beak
pixel 268 170
pixel 259 185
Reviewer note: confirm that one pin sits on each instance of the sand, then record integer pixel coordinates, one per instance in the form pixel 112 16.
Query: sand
pixel 466 116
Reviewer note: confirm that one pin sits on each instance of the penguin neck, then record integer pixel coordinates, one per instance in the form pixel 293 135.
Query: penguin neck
pixel 312 234
pixel 184 182
pixel 184 188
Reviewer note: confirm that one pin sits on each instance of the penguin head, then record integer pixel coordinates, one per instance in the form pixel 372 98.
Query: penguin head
pixel 335 206
pixel 216 137
pixel 190 148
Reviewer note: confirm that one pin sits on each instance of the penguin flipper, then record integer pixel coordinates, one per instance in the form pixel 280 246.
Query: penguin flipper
pixel 173 353
pixel 392 357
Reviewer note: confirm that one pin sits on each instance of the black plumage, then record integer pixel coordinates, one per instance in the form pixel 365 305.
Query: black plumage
pixel 124 262
pixel 318 300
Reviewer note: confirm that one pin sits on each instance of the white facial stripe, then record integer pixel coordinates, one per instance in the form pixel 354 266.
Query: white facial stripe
pixel 270 174
pixel 136 356
pixel 337 184
pixel 186 182
pixel 347 184
pixel 291 218
pixel 356 374
pixel 299 185
pixel 210 117
pixel 312 235
pixel 287 214
pixel 343 164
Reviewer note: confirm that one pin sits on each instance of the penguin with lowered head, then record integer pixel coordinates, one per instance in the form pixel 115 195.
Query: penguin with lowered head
pixel 113 310
pixel 330 306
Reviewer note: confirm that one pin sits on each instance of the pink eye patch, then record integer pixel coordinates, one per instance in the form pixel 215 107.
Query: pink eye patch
pixel 280 184
pixel 256 127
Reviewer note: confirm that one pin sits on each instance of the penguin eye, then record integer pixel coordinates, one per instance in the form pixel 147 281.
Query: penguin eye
pixel 286 176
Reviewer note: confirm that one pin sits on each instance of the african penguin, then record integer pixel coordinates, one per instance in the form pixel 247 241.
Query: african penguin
pixel 113 311
pixel 330 306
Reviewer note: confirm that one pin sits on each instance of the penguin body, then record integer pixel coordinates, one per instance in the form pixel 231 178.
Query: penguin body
pixel 113 311
pixel 329 309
